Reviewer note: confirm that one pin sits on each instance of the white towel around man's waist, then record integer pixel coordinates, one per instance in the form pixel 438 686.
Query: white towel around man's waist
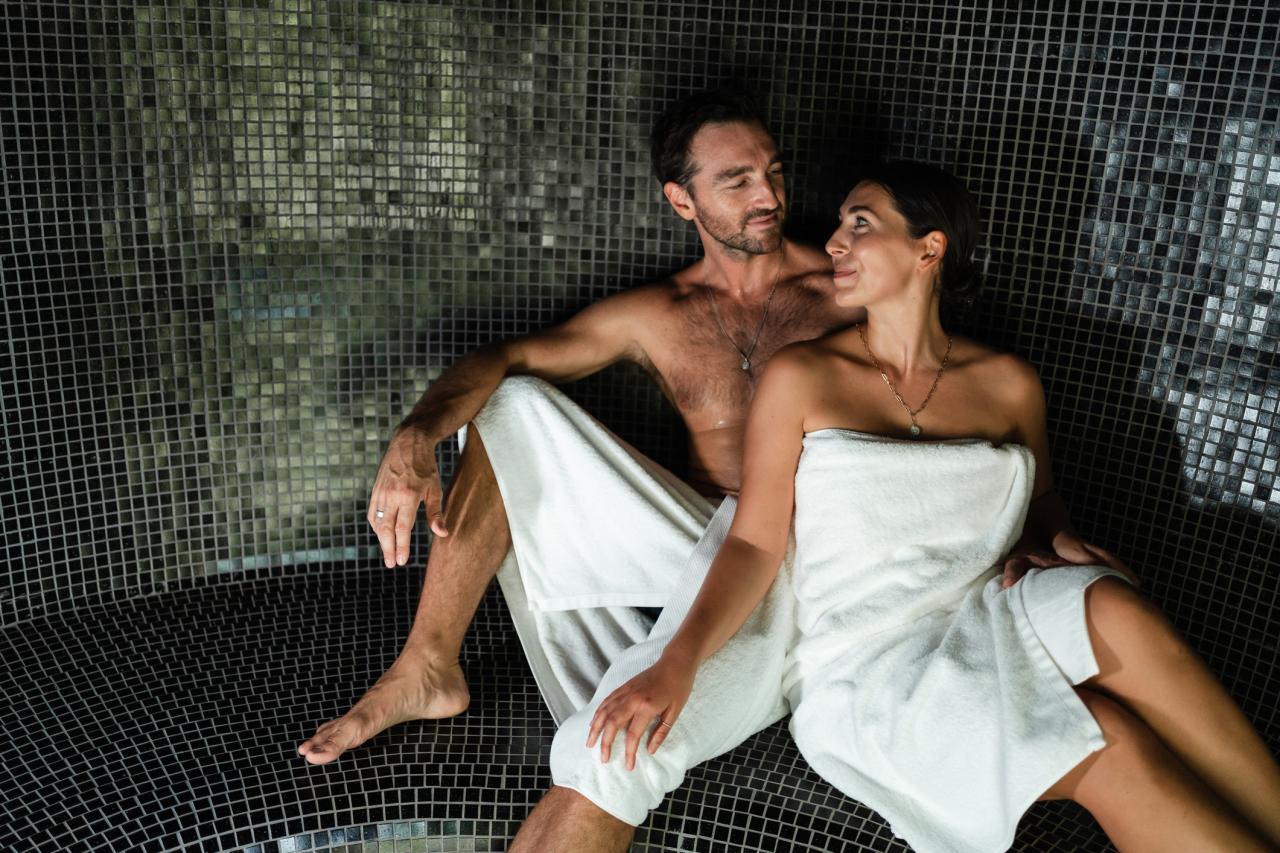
pixel 597 530
pixel 737 692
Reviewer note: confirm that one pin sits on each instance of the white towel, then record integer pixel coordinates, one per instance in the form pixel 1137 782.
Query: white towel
pixel 919 686
pixel 597 530
pixel 737 692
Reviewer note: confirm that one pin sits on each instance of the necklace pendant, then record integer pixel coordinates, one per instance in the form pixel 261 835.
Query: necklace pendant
pixel 746 365
pixel 915 431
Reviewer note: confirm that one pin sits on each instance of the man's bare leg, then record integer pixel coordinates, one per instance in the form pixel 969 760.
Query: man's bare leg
pixel 564 820
pixel 426 682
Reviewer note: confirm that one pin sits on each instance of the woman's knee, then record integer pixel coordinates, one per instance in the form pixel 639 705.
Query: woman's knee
pixel 1121 728
pixel 1121 618
pixel 1132 753
pixel 1112 599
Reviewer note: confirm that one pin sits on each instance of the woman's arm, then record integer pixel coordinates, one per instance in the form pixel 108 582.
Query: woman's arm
pixel 1047 515
pixel 739 576
pixel 1048 524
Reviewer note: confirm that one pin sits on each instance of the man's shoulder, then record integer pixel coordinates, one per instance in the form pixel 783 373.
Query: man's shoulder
pixel 677 291
pixel 666 289
pixel 812 282
pixel 810 261
pixel 639 312
pixel 654 295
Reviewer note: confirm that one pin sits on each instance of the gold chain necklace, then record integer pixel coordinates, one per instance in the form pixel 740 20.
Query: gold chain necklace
pixel 746 356
pixel 915 428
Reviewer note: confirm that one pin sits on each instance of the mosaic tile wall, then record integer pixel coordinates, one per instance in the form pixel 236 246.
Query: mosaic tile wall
pixel 241 241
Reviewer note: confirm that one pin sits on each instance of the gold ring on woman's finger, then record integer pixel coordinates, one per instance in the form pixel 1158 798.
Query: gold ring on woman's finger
pixel 664 723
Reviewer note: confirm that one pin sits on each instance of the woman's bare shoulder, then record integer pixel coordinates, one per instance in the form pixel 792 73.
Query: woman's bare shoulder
pixel 817 354
pixel 1013 381
pixel 800 374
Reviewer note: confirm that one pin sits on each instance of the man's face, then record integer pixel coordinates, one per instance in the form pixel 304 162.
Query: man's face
pixel 737 191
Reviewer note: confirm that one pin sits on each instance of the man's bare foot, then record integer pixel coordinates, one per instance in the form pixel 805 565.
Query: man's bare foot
pixel 409 690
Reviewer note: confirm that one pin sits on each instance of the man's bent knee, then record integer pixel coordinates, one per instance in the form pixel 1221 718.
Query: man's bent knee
pixel 578 805
pixel 565 820
pixel 519 390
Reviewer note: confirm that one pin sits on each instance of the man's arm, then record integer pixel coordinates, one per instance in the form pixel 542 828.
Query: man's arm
pixel 596 337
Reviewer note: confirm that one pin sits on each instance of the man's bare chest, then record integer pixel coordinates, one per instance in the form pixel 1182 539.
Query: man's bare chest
pixel 697 356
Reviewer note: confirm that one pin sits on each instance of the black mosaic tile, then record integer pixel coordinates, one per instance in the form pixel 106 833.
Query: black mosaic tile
pixel 171 723
pixel 238 241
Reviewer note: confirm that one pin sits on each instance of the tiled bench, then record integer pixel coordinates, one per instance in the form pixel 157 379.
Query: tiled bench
pixel 171 723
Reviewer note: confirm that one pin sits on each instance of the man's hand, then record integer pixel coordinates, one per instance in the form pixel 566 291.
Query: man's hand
pixel 407 477
pixel 659 692
pixel 1068 550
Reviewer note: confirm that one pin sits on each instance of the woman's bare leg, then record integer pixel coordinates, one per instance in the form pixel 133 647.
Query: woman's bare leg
pixel 1150 669
pixel 425 681
pixel 1144 798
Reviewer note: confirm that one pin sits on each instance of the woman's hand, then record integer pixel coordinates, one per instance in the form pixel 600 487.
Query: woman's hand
pixel 661 692
pixel 1068 550
pixel 1025 555
pixel 1076 551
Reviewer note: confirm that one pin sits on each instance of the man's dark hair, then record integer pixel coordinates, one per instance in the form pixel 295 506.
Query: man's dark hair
pixel 932 199
pixel 680 122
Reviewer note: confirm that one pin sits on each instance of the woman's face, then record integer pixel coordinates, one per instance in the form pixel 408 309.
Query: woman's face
pixel 871 251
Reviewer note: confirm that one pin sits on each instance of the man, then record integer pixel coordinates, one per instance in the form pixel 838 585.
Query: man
pixel 596 530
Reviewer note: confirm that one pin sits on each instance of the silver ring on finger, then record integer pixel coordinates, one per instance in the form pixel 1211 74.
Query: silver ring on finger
pixel 663 724
pixel 378 514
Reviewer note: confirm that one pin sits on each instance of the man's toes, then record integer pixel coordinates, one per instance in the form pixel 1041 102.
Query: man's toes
pixel 318 741
pixel 322 751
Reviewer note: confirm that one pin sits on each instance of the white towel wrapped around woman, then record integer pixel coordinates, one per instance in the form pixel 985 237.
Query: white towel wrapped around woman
pixel 918 685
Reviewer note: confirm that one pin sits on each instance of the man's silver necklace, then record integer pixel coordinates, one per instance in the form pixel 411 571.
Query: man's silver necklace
pixel 746 354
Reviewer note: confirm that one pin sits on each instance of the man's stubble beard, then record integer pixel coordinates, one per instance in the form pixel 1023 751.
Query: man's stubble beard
pixel 738 240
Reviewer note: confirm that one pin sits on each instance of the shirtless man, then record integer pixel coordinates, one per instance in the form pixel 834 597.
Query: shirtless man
pixel 704 334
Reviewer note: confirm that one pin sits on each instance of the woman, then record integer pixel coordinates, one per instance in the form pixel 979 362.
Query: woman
pixel 922 680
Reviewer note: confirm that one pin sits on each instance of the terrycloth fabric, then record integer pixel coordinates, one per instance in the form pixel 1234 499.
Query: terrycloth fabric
pixel 597 531
pixel 737 692
pixel 945 671
pixel 919 686
pixel 946 705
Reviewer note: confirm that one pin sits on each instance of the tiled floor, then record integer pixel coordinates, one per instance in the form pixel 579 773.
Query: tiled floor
pixel 171 723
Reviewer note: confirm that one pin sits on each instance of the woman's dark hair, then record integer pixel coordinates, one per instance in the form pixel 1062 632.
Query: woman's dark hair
pixel 680 122
pixel 932 199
